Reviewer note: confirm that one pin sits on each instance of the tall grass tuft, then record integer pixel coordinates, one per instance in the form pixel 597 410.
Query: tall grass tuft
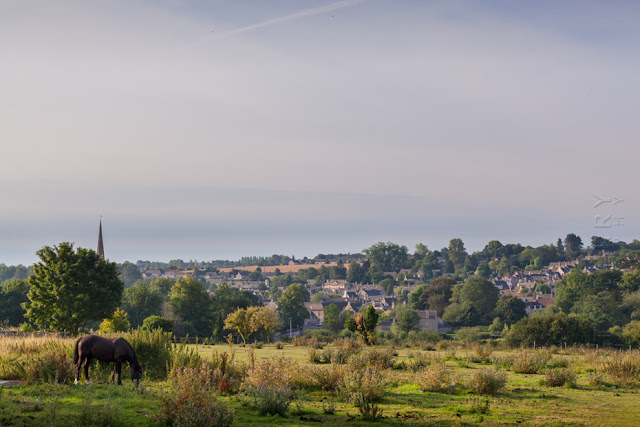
pixel 622 368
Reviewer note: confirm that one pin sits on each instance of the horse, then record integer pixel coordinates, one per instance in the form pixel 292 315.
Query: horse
pixel 108 350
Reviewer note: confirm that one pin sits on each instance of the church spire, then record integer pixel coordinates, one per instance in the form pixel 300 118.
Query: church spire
pixel 100 245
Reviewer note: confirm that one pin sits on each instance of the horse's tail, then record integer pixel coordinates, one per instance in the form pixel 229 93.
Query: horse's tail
pixel 76 354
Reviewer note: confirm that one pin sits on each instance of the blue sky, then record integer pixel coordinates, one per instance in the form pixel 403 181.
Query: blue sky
pixel 209 130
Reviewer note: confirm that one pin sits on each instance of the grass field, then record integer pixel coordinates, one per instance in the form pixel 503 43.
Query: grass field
pixel 525 400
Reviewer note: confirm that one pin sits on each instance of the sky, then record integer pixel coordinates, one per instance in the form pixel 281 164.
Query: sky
pixel 204 130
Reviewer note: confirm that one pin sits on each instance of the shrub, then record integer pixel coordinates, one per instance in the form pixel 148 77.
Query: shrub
pixel 257 345
pixel 555 329
pixel 270 399
pixel 278 372
pixel 328 378
pixel 279 345
pixel 191 400
pixel 382 359
pixel 559 377
pixel 363 385
pixel 527 363
pixel 315 356
pixel 119 322
pixel 157 322
pixel 487 381
pixel 438 378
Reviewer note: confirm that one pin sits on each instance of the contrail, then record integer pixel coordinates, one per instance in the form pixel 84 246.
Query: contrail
pixel 293 16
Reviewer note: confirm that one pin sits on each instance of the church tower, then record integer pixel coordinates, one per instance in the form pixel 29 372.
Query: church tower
pixel 100 245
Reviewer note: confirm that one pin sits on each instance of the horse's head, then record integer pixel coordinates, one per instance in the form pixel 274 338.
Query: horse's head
pixel 136 374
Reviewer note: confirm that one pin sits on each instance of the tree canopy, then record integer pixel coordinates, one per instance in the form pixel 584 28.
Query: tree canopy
pixel 71 288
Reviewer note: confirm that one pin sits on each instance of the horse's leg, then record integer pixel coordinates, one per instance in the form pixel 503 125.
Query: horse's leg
pixel 113 374
pixel 86 370
pixel 119 372
pixel 78 368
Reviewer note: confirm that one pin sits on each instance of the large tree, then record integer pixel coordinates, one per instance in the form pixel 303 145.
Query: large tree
pixel 479 294
pixel 12 295
pixel 572 245
pixel 141 301
pixel 510 309
pixel 226 300
pixel 387 256
pixel 291 304
pixel 71 288
pixel 433 296
pixel 191 303
pixel 456 252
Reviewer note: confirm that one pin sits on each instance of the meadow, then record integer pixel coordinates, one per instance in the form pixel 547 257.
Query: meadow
pixel 307 382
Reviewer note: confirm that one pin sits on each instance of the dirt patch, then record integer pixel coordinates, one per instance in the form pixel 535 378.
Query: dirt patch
pixel 4 383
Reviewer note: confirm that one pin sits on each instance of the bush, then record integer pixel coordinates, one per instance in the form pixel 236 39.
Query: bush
pixel 556 329
pixel 279 345
pixel 363 385
pixel 559 377
pixel 487 381
pixel 278 372
pixel 119 322
pixel 271 399
pixel 191 399
pixel 157 322
pixel 438 378
pixel 329 378
pixel 383 359
pixel 527 363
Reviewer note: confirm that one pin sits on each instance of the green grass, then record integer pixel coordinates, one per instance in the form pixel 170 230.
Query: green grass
pixel 524 402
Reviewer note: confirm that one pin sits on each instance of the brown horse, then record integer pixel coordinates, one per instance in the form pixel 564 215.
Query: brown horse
pixel 108 350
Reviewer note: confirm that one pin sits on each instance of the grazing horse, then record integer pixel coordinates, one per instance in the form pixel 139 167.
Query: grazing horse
pixel 109 350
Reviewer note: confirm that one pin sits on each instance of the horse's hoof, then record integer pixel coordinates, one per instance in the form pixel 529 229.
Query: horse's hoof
pixel 88 382
pixel 76 381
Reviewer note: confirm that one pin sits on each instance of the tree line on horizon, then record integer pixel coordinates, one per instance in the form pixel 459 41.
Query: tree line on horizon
pixel 454 283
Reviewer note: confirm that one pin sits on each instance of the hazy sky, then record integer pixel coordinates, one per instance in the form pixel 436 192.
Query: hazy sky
pixel 219 129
